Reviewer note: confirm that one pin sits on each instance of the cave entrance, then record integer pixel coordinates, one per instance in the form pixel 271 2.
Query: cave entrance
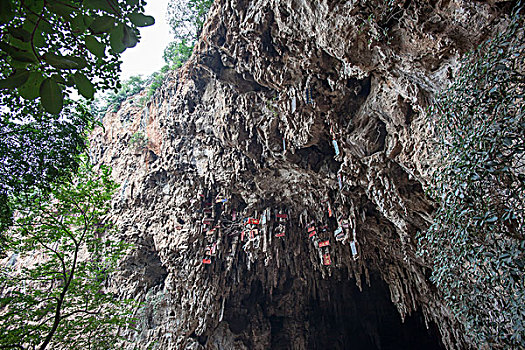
pixel 342 317
pixel 334 315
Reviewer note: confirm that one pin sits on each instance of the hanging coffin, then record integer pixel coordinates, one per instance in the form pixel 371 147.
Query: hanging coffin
pixel 207 221
pixel 251 221
pixel 336 147
pixel 324 244
pixel 327 260
pixel 353 247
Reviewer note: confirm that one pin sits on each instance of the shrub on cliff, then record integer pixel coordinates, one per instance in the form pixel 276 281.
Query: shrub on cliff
pixel 477 242
pixel 186 19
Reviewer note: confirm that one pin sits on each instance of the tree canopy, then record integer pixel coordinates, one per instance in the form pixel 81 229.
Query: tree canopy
pixel 50 51
pixel 55 296
pixel 50 47
pixel 186 19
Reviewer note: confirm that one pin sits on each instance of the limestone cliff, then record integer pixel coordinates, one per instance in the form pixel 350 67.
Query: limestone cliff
pixel 309 118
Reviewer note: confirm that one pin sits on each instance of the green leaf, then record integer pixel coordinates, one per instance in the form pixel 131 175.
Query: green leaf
pixel 59 79
pixel 43 26
pixel 115 39
pixel 35 5
pixel 25 56
pixel 22 45
pixel 61 9
pixel 51 95
pixel 38 39
pixel 64 62
pixel 15 80
pixel 20 33
pixel 18 54
pixel 141 20
pixel 80 23
pixel 129 39
pixel 6 12
pixel 95 47
pixel 103 24
pixel 109 6
pixel 84 86
pixel 132 2
pixel 31 89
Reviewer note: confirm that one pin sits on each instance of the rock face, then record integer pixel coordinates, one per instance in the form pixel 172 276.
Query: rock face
pixel 307 117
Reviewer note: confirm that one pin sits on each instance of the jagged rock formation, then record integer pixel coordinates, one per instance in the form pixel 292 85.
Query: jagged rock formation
pixel 255 118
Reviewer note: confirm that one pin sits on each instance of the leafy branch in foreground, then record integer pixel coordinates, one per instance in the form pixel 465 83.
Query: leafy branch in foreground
pixel 477 242
pixel 57 298
pixel 48 47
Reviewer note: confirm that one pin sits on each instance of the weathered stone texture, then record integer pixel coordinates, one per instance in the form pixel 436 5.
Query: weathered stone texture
pixel 235 122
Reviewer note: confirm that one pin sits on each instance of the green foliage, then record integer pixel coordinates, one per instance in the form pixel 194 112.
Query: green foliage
pixel 477 241
pixel 130 87
pixel 186 19
pixel 57 299
pixel 156 81
pixel 176 53
pixel 49 47
pixel 138 141
pixel 36 149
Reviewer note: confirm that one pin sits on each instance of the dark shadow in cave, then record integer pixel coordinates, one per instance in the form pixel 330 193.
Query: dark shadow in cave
pixel 344 318
pixel 336 316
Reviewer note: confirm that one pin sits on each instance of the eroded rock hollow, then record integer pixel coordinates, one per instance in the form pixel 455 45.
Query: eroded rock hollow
pixel 276 198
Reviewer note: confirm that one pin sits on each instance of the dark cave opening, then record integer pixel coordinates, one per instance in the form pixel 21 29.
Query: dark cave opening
pixel 337 315
pixel 345 318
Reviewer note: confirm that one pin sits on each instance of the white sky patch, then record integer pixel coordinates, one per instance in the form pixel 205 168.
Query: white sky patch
pixel 146 57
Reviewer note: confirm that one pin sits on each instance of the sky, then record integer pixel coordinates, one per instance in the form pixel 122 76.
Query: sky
pixel 146 57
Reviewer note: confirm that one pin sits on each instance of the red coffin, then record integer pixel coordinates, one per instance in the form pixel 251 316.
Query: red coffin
pixel 324 244
pixel 313 233
pixel 327 260
pixel 282 216
pixel 252 221
pixel 206 261
pixel 281 234
pixel 310 229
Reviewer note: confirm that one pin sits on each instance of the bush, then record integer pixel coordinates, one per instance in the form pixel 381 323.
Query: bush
pixel 176 53
pixel 130 87
pixel 476 244
pixel 187 18
pixel 138 141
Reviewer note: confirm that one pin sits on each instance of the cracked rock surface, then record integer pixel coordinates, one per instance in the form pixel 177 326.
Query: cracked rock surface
pixel 277 200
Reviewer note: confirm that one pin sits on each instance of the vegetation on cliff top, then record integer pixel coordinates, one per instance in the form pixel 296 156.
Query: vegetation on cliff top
pixel 186 20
